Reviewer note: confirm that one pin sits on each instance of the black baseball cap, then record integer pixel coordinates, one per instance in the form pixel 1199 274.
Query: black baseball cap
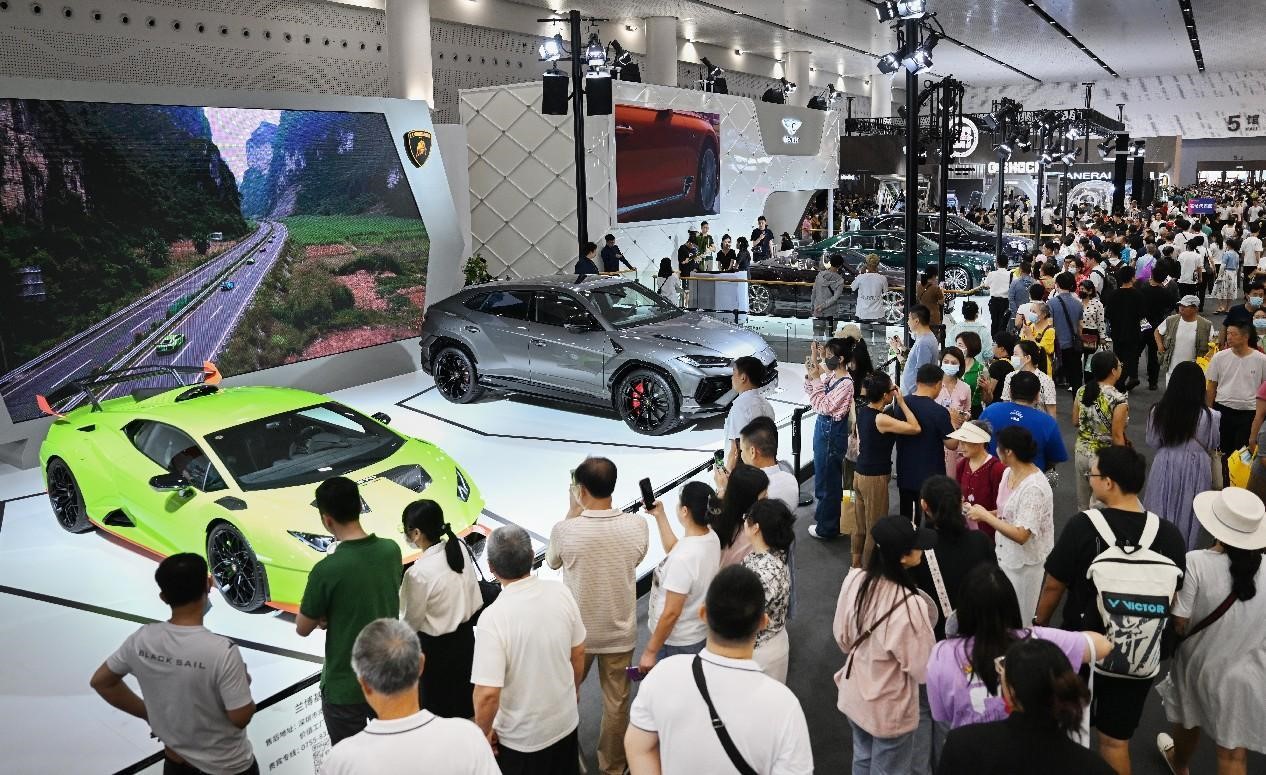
pixel 901 536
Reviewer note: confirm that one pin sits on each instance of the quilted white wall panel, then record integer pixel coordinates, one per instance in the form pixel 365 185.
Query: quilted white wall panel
pixel 522 176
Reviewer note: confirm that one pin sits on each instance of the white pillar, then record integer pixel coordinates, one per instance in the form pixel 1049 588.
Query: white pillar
pixel 796 70
pixel 409 73
pixel 661 51
pixel 880 95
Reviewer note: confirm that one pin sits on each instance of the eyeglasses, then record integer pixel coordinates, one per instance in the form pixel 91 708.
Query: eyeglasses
pixel 1097 476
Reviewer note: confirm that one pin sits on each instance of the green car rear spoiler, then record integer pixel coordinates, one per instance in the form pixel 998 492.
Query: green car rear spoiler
pixel 92 384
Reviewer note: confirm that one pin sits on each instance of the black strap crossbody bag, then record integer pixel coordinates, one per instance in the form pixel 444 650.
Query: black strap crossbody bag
pixel 723 734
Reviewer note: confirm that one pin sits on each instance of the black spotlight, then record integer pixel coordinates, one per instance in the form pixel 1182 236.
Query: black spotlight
pixel 554 94
pixel 1107 149
pixel 622 64
pixel 774 95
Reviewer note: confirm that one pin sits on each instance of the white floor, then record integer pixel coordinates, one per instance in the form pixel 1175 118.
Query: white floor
pixel 66 601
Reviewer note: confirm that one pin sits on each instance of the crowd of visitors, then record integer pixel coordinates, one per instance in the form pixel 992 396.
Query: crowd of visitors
pixel 974 636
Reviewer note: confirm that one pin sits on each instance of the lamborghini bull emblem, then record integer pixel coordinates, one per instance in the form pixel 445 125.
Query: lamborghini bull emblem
pixel 417 145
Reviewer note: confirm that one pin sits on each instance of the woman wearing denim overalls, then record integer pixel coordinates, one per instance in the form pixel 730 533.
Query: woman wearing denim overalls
pixel 830 392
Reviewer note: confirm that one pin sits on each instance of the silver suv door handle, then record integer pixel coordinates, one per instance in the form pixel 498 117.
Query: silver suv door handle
pixel 472 329
pixel 538 342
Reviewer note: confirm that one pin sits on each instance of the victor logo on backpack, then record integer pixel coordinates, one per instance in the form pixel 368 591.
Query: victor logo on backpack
pixel 1136 587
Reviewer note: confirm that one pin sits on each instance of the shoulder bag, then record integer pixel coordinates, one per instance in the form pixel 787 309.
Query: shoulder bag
pixel 848 664
pixel 938 581
pixel 718 725
pixel 1171 640
pixel 1077 342
pixel 489 589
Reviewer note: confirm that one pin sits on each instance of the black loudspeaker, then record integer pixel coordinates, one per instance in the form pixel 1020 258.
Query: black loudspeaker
pixel 554 94
pixel 719 86
pixel 598 96
pixel 631 73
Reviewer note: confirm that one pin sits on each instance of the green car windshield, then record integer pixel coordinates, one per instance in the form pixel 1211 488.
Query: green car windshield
pixel 302 446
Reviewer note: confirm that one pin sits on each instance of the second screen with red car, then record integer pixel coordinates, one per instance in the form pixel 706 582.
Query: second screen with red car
pixel 667 163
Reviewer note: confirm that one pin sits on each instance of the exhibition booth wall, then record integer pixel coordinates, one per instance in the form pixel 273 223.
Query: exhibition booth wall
pixel 170 226
pixel 522 171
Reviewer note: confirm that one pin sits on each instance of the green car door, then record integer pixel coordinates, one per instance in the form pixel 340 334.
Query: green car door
pixel 170 520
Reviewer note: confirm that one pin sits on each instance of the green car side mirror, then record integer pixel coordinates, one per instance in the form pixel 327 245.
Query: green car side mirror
pixel 171 482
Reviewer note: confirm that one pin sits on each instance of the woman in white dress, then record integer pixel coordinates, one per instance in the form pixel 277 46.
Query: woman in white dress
pixel 1024 524
pixel 1216 677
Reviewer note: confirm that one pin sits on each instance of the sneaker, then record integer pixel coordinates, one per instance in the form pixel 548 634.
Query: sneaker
pixel 813 531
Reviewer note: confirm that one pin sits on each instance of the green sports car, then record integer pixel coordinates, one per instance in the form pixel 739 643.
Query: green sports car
pixel 170 344
pixel 231 474
pixel 963 270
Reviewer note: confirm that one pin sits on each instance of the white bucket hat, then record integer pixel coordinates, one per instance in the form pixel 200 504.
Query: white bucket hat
pixel 1234 516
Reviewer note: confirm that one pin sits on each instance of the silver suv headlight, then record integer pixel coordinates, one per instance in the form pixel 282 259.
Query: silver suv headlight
pixel 704 361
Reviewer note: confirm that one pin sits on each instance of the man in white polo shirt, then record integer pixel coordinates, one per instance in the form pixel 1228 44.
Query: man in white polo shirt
pixel 387 659
pixel 1233 378
pixel 758 444
pixel 599 548
pixel 1251 251
pixel 672 728
pixel 529 660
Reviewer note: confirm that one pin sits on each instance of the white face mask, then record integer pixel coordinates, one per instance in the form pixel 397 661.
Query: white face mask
pixel 950 369
pixel 1017 361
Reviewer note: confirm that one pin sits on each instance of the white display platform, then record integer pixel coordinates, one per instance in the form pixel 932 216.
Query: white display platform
pixel 67 601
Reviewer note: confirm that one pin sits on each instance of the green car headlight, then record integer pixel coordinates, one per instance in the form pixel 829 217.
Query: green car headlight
pixel 319 542
pixel 704 361
pixel 463 486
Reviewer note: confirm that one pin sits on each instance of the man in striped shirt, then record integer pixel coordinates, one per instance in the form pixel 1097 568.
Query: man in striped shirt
pixel 599 548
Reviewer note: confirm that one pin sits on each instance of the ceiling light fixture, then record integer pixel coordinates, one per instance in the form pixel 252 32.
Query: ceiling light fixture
pixel 552 49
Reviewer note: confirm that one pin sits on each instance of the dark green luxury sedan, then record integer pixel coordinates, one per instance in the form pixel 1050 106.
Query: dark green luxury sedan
pixel 963 270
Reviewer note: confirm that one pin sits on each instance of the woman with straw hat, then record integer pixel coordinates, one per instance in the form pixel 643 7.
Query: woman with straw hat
pixel 1216 679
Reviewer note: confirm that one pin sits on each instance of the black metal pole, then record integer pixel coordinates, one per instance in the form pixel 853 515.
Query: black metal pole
pixel 911 36
pixel 578 129
pixel 946 103
pixel 1118 174
pixel 1002 183
pixel 1085 124
pixel 1139 181
pixel 848 115
pixel 1042 138
pixel 1063 200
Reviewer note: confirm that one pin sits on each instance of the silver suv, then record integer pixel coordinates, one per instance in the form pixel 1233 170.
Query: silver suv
pixel 600 341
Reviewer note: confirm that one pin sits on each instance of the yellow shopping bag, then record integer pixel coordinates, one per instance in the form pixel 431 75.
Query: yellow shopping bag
pixel 1238 468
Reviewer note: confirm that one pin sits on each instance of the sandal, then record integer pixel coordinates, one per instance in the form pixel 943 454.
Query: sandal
pixel 1165 745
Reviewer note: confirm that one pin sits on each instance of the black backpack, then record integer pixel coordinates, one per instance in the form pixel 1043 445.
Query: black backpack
pixel 1109 282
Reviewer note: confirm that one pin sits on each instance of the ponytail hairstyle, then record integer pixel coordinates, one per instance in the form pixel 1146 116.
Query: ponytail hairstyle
pixel 876 386
pixel 700 502
pixel 988 615
pixel 945 504
pixel 885 563
pixel 1102 364
pixel 1044 684
pixel 1244 565
pixel 427 517
pixel 776 523
pixel 1035 353
pixel 741 492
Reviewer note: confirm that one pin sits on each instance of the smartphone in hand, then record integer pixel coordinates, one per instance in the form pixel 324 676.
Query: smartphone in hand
pixel 718 459
pixel 648 493
pixel 634 673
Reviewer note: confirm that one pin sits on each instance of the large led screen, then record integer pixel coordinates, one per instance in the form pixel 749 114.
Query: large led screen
pixel 148 234
pixel 667 163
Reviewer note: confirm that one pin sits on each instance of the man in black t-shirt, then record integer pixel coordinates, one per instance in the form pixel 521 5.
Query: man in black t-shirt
pixel 1116 478
pixel 1243 313
pixel 923 454
pixel 762 240
pixel 612 256
pixel 687 262
pixel 1159 301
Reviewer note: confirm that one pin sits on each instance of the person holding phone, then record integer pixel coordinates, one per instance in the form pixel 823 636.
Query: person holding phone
pixel 830 389
pixel 680 581
pixel 598 548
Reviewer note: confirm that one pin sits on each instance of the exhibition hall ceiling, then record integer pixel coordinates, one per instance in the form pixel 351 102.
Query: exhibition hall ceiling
pixel 990 41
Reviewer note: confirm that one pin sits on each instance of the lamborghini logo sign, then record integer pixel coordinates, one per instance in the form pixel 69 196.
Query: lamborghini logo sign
pixel 417 145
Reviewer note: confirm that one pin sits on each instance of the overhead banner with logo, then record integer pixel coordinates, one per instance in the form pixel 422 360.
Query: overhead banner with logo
pixel 790 131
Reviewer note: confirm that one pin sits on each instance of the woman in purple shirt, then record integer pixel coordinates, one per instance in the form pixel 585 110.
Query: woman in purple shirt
pixel 962 683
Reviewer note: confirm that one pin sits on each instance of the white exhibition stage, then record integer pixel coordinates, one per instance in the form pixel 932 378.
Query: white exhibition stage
pixel 66 601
